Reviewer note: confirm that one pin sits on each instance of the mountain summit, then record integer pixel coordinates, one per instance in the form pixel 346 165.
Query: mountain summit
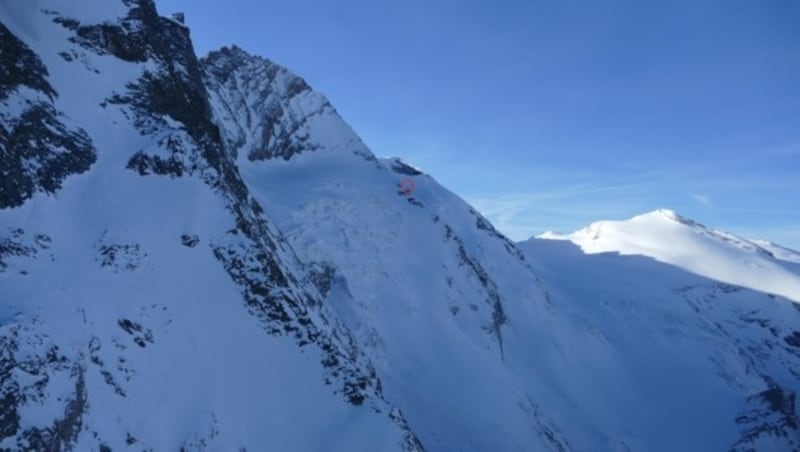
pixel 265 112
pixel 200 254
pixel 670 238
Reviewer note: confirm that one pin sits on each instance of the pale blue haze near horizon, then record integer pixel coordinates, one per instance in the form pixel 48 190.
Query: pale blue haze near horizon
pixel 552 115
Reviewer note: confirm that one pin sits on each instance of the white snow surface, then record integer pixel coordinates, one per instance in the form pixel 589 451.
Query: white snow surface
pixel 420 311
pixel 667 237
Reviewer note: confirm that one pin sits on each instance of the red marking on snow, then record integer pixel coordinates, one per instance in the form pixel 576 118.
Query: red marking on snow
pixel 406 186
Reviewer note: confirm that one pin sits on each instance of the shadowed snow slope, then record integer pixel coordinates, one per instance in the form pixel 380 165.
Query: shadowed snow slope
pixel 667 237
pixel 676 360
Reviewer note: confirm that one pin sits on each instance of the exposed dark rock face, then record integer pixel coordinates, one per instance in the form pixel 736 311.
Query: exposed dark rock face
pixel 771 420
pixel 549 432
pixel 190 241
pixel 15 341
pixel 19 66
pixel 279 108
pixel 279 129
pixel 322 276
pixel 64 432
pixel 120 257
pixel 399 167
pixel 493 298
pixel 38 147
pixel 30 156
pixel 14 246
pixel 141 335
pixel 793 339
pixel 482 224
pixel 153 164
pixel 19 244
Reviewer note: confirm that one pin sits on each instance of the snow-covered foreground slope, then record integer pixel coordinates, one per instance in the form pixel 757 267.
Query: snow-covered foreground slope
pixel 202 255
pixel 667 237
pixel 146 302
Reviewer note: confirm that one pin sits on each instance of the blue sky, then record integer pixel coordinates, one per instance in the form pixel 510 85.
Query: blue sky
pixel 551 115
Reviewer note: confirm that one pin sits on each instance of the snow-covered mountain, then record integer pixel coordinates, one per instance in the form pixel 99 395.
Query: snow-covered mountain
pixel 677 360
pixel 668 237
pixel 201 254
pixel 706 298
pixel 147 300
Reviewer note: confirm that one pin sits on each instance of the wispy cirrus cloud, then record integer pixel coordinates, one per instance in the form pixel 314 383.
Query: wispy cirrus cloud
pixel 562 209
pixel 718 193
pixel 702 199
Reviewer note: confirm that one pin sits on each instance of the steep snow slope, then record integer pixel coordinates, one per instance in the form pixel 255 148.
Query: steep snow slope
pixel 443 303
pixel 145 300
pixel 670 238
pixel 679 361
pixel 466 342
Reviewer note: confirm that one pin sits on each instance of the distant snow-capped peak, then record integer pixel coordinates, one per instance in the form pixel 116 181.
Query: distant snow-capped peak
pixel 668 237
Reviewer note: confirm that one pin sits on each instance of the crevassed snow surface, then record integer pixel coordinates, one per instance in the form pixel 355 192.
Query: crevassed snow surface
pixel 670 238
